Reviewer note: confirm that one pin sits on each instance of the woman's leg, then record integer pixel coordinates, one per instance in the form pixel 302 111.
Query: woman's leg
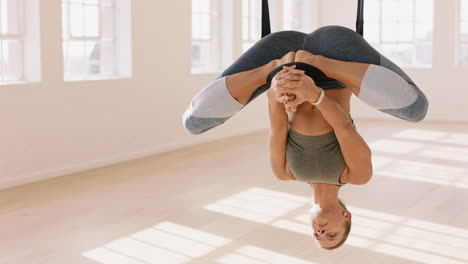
pixel 242 82
pixel 373 78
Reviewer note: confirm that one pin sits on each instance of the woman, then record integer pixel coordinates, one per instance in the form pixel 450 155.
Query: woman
pixel 321 148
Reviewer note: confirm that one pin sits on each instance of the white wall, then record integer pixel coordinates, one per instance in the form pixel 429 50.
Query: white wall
pixel 54 127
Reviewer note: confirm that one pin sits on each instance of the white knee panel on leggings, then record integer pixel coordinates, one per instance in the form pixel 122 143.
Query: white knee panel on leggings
pixel 214 101
pixel 384 89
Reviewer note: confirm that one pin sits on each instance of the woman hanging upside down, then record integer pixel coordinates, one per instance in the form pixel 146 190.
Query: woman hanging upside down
pixel 313 77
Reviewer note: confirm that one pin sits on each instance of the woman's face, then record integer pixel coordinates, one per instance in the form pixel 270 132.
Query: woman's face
pixel 328 225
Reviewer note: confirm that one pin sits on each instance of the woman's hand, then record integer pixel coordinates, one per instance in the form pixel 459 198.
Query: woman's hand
pixel 289 77
pixel 308 91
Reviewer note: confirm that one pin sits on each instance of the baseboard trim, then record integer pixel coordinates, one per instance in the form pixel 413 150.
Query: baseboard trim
pixel 28 178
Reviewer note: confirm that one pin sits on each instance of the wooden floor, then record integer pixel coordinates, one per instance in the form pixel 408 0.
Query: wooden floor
pixel 220 203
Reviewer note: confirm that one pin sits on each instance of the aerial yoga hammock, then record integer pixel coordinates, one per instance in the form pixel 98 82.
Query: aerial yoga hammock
pixel 385 86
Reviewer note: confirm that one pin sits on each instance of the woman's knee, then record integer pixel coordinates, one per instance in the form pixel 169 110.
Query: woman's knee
pixel 271 47
pixel 341 43
pixel 332 32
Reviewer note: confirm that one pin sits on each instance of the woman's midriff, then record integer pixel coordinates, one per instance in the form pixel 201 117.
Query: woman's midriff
pixel 309 121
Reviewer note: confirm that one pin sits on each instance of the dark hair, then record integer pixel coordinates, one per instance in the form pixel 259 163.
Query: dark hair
pixel 346 233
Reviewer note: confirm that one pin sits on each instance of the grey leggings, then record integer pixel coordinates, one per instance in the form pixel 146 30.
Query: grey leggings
pixel 385 85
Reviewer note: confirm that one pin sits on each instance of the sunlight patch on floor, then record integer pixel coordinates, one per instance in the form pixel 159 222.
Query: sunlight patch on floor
pixel 413 239
pixel 395 146
pixel 255 255
pixel 402 237
pixel 258 204
pixel 166 242
pixel 422 172
pixel 434 136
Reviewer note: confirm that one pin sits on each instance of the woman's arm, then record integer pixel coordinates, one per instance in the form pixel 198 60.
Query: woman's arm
pixel 356 152
pixel 277 139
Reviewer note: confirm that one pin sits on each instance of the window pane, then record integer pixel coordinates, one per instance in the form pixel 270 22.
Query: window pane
pixel 196 56
pixel 195 6
pixel 423 54
pixel 294 16
pixel 255 25
pixel 464 31
pixel 196 26
pixel 11 60
pixel 107 2
pixel 463 54
pixel 205 27
pixel 65 21
pixel 208 29
pixel 372 11
pixel 251 20
pixel 425 11
pixel 255 21
pixel 204 6
pixel 464 10
pixel 390 10
pixel 76 20
pixel 107 22
pixel 401 54
pixel 94 2
pixel 424 31
pixel 405 32
pixel 91 21
pixel 245 28
pixel 245 19
pixel 389 31
pixel 245 8
pixel 371 32
pixel 201 57
pixel 405 11
pixel 107 58
pixel 10 16
pixel 93 56
pixel 74 54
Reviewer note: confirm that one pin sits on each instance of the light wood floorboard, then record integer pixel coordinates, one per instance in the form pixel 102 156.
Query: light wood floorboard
pixel 220 203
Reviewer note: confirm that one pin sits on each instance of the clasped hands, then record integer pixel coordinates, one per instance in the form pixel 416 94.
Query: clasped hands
pixel 292 87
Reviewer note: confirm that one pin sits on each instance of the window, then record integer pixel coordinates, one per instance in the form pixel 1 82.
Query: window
pixel 401 30
pixel 298 15
pixel 19 41
pixel 90 46
pixel 251 22
pixel 211 35
pixel 463 35
pixel 202 36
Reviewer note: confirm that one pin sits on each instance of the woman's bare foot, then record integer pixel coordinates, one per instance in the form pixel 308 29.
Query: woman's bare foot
pixel 242 85
pixel 287 58
pixel 309 58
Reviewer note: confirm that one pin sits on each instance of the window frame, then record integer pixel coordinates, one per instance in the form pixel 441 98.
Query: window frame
pixel 249 19
pixel 99 39
pixel 20 39
pixel 214 63
pixel 459 41
pixel 414 42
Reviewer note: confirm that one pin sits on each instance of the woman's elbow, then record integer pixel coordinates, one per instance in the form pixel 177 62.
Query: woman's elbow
pixel 281 177
pixel 364 178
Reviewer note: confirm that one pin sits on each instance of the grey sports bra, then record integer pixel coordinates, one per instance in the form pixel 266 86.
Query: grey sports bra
pixel 315 159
